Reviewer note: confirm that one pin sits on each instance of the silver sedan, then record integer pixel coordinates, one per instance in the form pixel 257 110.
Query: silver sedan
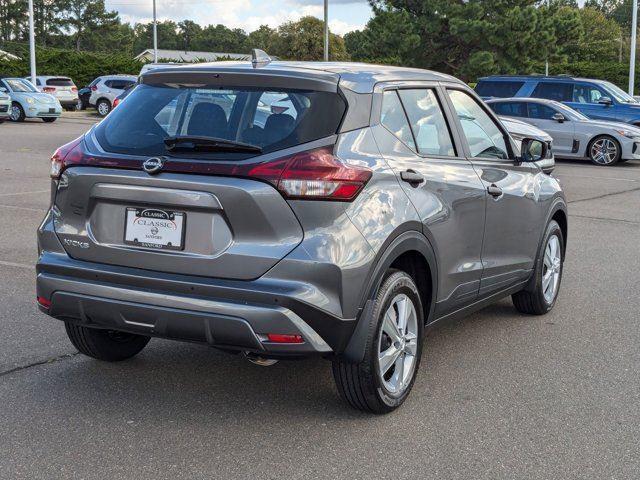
pixel 574 135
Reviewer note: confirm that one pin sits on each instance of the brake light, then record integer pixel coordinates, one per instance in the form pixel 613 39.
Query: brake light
pixel 74 89
pixel 59 158
pixel 94 88
pixel 314 174
pixel 116 102
pixel 281 338
pixel 48 89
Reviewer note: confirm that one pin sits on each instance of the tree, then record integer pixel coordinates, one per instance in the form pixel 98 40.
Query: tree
pixel 221 39
pixel 600 39
pixel 168 38
pixel 263 38
pixel 89 23
pixel 189 30
pixel 304 40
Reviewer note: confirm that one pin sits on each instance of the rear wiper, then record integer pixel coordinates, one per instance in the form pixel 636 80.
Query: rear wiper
pixel 208 144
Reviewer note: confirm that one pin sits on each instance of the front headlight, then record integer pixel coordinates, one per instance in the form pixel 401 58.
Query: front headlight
pixel 628 133
pixel 30 100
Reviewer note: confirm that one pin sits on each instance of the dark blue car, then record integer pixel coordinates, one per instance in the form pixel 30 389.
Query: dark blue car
pixel 597 99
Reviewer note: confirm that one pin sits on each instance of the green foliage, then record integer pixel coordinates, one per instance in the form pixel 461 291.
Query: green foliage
pixel 304 40
pixel 82 67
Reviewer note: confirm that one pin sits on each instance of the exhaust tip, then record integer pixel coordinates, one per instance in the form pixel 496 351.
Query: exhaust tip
pixel 258 360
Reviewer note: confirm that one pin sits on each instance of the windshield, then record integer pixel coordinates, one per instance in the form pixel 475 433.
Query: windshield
pixel 617 93
pixel 268 119
pixel 20 85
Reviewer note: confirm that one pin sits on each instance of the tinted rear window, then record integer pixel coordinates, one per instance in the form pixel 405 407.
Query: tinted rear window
pixel 558 91
pixel 272 120
pixel 60 82
pixel 500 89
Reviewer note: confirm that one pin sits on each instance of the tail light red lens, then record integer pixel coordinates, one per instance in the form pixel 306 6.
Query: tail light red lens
pixel 116 102
pixel 314 174
pixel 48 90
pixel 60 157
pixel 280 338
pixel 94 88
pixel 74 89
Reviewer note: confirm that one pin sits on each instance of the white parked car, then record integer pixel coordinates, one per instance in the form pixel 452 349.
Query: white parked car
pixel 5 106
pixel 105 89
pixel 574 135
pixel 61 88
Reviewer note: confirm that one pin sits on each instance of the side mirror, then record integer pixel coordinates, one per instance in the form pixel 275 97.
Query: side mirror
pixel 558 117
pixel 533 150
pixel 605 101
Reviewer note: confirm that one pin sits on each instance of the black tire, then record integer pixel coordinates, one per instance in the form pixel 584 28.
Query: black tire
pixel 618 154
pixel 106 345
pixel 71 109
pixel 103 106
pixel 360 384
pixel 622 160
pixel 532 301
pixel 21 116
pixel 49 119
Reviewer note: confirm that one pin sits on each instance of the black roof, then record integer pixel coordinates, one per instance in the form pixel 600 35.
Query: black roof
pixel 359 77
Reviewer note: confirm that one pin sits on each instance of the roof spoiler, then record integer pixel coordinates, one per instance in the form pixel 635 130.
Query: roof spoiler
pixel 259 58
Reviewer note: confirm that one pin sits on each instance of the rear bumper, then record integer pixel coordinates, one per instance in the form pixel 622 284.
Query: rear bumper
pixel 226 314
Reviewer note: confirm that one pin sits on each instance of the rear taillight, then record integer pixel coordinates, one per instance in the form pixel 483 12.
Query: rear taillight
pixel 63 155
pixel 94 88
pixel 43 302
pixel 116 102
pixel 48 89
pixel 314 175
pixel 74 89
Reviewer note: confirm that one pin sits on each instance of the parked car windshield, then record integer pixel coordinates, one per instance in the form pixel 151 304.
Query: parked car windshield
pixel 19 85
pixel 271 120
pixel 617 93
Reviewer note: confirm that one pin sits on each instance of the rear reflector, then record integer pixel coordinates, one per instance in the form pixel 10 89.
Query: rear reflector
pixel 281 338
pixel 44 303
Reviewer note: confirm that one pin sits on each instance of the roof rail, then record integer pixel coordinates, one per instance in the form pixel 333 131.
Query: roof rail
pixel 259 58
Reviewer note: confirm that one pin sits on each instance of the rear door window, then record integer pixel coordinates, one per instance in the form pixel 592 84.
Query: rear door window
pixel 510 109
pixel 429 126
pixel 393 118
pixel 558 91
pixel 271 120
pixel 497 88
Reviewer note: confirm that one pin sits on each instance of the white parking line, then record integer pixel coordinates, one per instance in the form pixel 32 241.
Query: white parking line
pixel 17 265
pixel 27 209
pixel 24 193
pixel 598 178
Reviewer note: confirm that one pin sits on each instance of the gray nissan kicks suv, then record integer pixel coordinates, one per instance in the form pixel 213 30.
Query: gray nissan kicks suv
pixel 286 209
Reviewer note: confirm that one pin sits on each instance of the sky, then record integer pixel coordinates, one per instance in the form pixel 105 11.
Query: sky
pixel 344 15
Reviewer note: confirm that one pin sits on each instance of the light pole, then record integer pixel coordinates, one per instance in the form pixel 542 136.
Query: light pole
pixel 632 59
pixel 326 30
pixel 155 34
pixel 546 62
pixel 32 43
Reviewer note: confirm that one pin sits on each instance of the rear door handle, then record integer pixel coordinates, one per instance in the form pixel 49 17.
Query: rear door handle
pixel 494 190
pixel 412 177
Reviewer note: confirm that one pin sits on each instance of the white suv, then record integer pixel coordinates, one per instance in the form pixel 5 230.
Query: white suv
pixel 62 88
pixel 105 89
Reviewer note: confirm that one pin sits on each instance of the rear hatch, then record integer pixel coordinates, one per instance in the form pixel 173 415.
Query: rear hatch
pixel 62 87
pixel 208 204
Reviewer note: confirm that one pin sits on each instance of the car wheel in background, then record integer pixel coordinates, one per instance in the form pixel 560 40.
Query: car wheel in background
pixel 383 380
pixel 547 275
pixel 71 108
pixel 104 107
pixel 604 150
pixel 106 345
pixel 17 113
pixel 49 119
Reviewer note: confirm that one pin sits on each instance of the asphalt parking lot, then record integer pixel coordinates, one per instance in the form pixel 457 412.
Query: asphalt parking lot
pixel 498 396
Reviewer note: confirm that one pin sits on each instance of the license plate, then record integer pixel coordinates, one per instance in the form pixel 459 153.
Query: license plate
pixel 154 228
pixel 52 110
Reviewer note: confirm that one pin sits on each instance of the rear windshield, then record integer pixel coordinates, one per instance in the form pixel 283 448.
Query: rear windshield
pixel 60 82
pixel 271 120
pixel 499 89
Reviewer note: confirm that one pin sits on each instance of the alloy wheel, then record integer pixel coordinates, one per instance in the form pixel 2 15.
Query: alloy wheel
pixel 103 109
pixel 15 113
pixel 604 151
pixel 551 269
pixel 398 345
